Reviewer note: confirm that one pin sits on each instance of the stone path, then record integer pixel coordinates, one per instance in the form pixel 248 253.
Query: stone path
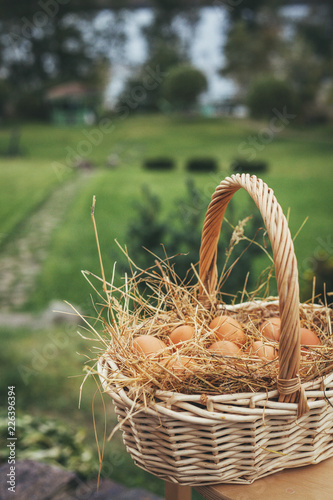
pixel 21 258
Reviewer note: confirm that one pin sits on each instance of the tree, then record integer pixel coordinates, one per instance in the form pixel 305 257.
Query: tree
pixel 183 85
pixel 163 57
pixel 42 44
pixel 249 11
pixel 309 62
pixel 270 93
pixel 250 52
pixel 165 50
pixel 259 46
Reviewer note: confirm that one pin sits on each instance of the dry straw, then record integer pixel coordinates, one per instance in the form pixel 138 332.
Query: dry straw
pixel 215 418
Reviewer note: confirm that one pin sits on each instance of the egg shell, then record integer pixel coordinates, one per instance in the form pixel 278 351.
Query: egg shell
pixel 227 328
pixel 181 334
pixel 308 337
pixel 148 345
pixel 271 329
pixel 225 347
pixel 262 350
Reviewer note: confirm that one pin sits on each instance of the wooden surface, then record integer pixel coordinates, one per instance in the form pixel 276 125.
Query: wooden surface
pixel 176 492
pixel 313 482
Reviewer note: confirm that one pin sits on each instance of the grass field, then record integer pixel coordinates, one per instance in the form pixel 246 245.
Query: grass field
pixel 300 173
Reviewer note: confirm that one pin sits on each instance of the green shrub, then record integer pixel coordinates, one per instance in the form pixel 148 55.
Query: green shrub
pixel 242 165
pixel 159 164
pixel 202 165
pixel 319 267
pixel 267 94
pixel 180 233
pixel 51 441
pixel 183 85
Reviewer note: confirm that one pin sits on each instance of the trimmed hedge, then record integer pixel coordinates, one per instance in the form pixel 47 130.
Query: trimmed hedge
pixel 159 164
pixel 202 165
pixel 242 165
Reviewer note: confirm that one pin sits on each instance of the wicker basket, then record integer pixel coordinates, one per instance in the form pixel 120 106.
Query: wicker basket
pixel 237 438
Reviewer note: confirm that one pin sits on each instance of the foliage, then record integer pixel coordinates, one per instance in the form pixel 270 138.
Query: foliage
pixel 305 71
pixel 183 85
pixel 148 230
pixel 242 165
pixel 44 46
pixel 249 11
pixel 163 26
pixel 51 441
pixel 143 97
pixel 267 94
pixel 165 48
pixel 202 165
pixel 159 164
pixel 250 52
pixel 320 269
pixel 258 44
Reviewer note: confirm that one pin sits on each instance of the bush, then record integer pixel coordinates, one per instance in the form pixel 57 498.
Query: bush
pixel 202 165
pixel 320 267
pixel 183 85
pixel 147 98
pixel 52 441
pixel 242 165
pixel 268 94
pixel 181 237
pixel 159 164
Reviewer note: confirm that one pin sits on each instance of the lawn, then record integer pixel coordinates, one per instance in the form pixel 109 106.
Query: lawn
pixel 25 183
pixel 300 172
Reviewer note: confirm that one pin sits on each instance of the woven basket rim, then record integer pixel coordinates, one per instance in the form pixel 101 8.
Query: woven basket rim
pixel 255 403
pixel 263 403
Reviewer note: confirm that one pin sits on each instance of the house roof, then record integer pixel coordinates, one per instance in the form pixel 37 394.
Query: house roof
pixel 70 89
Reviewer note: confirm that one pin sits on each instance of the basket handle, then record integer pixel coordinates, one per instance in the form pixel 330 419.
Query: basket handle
pixel 288 383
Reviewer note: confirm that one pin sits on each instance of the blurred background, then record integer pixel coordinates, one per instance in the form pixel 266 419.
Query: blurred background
pixel 147 105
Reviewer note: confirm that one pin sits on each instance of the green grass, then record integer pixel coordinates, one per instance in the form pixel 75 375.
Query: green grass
pixel 299 172
pixel 24 185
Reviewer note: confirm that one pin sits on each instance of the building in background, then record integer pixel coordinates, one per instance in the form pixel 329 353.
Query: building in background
pixel 73 103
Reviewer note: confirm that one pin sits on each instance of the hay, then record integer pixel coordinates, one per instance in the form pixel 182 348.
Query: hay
pixel 155 301
pixel 167 303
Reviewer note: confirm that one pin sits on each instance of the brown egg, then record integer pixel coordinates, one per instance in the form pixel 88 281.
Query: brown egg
pixel 225 347
pixel 176 366
pixel 181 334
pixel 271 329
pixel 262 350
pixel 308 337
pixel 227 328
pixel 147 345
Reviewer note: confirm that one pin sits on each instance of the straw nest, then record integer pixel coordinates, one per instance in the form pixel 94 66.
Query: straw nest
pixel 154 302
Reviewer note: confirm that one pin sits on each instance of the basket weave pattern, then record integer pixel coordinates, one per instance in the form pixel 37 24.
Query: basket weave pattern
pixel 235 438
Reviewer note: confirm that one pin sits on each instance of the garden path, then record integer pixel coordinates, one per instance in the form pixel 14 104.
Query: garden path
pixel 22 256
